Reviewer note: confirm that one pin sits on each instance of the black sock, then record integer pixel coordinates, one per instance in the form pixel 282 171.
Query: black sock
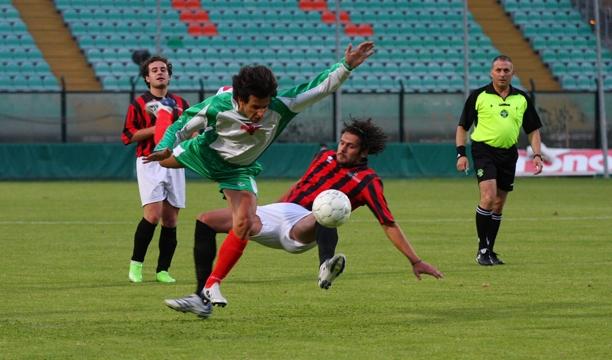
pixel 495 223
pixel 142 239
pixel 204 252
pixel 167 245
pixel 483 220
pixel 327 239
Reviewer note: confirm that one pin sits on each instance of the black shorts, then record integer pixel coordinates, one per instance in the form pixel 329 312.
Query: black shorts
pixel 495 163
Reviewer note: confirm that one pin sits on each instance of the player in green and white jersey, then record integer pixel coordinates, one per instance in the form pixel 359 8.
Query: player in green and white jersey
pixel 238 126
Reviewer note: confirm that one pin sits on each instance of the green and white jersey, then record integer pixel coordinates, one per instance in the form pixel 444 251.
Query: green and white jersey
pixel 497 121
pixel 239 141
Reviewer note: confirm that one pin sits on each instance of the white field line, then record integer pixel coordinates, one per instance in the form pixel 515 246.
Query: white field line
pixel 432 220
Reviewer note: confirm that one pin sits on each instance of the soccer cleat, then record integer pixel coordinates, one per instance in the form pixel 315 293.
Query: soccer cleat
pixel 135 274
pixel 483 257
pixel 495 260
pixel 192 303
pixel 331 269
pixel 213 294
pixel 164 277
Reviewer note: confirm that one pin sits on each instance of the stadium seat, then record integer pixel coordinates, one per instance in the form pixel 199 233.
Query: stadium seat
pixel 418 37
pixel 562 38
pixel 23 65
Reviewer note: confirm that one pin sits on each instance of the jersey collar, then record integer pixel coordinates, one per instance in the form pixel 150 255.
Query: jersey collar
pixel 489 89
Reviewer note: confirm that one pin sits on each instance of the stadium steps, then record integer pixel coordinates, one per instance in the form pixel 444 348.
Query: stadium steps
pixel 57 45
pixel 509 40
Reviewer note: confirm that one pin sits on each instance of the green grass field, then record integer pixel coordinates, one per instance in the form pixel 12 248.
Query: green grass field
pixel 66 246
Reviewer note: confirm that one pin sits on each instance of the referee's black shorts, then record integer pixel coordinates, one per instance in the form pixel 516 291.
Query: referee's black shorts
pixel 495 163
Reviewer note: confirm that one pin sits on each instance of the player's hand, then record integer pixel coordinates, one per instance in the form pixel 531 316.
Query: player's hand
pixel 165 104
pixel 157 156
pixel 424 268
pixel 463 164
pixel 354 57
pixel 538 164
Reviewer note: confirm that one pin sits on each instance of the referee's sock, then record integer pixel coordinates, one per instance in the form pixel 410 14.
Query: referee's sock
pixel 494 228
pixel 483 221
pixel 327 240
pixel 204 252
pixel 142 239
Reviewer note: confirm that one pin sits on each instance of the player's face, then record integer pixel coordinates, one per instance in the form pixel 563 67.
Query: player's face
pixel 158 75
pixel 349 150
pixel 501 74
pixel 255 108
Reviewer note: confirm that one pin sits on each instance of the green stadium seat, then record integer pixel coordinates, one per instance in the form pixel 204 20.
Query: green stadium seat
pixel 251 30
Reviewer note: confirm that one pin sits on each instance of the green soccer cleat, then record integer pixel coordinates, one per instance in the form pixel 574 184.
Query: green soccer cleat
pixel 135 274
pixel 164 277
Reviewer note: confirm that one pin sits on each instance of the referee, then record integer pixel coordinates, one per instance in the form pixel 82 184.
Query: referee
pixel 497 111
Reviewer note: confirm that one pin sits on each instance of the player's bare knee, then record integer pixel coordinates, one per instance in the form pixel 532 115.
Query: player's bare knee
pixel 242 226
pixel 170 222
pixel 152 218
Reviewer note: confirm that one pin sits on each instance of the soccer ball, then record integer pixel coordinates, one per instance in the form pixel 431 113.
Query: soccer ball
pixel 331 208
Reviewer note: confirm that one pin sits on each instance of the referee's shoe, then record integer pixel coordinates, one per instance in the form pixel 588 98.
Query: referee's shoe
pixel 483 257
pixel 494 259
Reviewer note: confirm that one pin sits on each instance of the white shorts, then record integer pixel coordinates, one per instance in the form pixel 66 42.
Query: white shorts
pixel 277 221
pixel 157 183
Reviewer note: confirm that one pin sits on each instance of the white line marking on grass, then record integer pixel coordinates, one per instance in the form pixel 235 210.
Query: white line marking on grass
pixel 449 220
pixel 437 220
pixel 62 222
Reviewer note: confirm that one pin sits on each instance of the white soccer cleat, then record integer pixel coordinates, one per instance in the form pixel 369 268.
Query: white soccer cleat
pixel 331 269
pixel 213 294
pixel 192 303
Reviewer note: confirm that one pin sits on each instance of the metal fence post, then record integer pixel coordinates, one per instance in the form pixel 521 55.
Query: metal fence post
pixel 64 126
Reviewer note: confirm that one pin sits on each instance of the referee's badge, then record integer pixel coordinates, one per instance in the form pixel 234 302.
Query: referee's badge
pixel 503 113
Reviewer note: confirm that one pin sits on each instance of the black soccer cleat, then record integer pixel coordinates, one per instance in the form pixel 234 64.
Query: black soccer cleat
pixel 483 257
pixel 494 259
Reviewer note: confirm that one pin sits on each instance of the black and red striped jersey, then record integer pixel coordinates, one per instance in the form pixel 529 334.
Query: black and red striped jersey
pixel 138 118
pixel 360 183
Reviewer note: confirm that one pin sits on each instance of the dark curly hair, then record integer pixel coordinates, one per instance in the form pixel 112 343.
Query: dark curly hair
pixel 256 80
pixel 144 68
pixel 372 137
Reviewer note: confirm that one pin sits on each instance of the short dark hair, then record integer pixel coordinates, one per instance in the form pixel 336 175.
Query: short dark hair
pixel 372 137
pixel 256 80
pixel 502 58
pixel 144 68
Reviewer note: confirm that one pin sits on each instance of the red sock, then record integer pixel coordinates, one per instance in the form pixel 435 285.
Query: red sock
pixel 163 120
pixel 229 254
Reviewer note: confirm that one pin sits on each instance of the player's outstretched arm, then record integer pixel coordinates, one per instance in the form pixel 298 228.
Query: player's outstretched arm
pixel 299 97
pixel 355 57
pixel 422 267
pixel 397 237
